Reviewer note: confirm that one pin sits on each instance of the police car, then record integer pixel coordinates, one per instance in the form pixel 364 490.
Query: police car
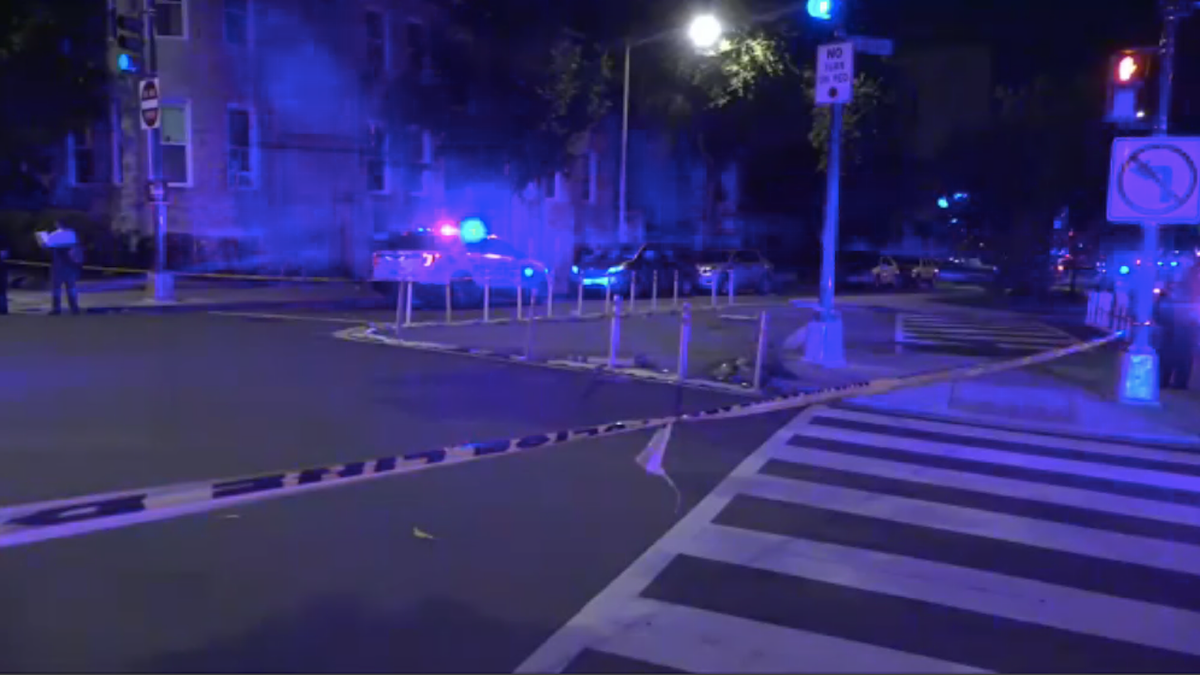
pixel 463 256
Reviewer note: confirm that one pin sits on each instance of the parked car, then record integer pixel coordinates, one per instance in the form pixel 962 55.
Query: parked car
pixel 626 268
pixel 968 271
pixel 916 271
pixel 433 260
pixel 746 268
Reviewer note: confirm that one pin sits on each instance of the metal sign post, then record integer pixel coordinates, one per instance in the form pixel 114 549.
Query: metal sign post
pixel 160 280
pixel 825 339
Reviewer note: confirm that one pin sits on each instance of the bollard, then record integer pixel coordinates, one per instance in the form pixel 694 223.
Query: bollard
pixel 632 292
pixel 731 287
pixel 408 293
pixel 607 294
pixel 675 293
pixel 716 281
pixel 487 298
pixel 529 324
pixel 685 338
pixel 549 295
pixel 654 292
pixel 614 333
pixel 760 355
pixel 520 297
pixel 401 291
pixel 449 301
pixel 579 300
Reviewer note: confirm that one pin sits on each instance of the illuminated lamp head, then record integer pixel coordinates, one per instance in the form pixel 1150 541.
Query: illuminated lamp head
pixel 473 230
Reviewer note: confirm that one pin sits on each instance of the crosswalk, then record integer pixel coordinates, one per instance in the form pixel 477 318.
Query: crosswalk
pixel 942 332
pixel 857 541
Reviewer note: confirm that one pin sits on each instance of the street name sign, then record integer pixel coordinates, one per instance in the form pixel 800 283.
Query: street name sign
pixel 1153 179
pixel 875 46
pixel 835 73
pixel 151 101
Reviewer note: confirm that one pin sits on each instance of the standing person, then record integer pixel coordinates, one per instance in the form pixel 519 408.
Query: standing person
pixel 65 261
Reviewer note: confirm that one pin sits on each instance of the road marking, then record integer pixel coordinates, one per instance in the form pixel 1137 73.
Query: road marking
pixel 293 317
pixel 823 551
pixel 959 332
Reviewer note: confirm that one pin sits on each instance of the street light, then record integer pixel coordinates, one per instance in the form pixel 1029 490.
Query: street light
pixel 705 32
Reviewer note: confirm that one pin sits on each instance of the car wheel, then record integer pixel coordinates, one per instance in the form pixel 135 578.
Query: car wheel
pixel 766 285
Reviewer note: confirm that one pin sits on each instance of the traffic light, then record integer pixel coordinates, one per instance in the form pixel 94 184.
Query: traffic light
pixel 1132 88
pixel 130 42
pixel 821 10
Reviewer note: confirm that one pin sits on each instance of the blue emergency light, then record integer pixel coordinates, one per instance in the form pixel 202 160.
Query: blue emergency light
pixel 473 230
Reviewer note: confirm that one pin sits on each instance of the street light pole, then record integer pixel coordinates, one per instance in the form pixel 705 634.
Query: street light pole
pixel 160 280
pixel 825 336
pixel 622 227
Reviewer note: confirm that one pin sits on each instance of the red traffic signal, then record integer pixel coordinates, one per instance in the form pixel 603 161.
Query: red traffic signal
pixel 1132 66
pixel 1132 89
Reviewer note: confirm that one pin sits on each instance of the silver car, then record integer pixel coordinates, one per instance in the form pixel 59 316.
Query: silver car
pixel 745 269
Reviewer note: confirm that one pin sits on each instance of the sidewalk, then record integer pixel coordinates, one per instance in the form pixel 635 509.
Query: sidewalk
pixel 209 298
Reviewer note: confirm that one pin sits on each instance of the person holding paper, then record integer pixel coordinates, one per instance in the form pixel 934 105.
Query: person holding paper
pixel 64 265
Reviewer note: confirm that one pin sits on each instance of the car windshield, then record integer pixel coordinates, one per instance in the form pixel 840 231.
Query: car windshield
pixel 412 241
pixel 607 256
pixel 907 260
pixel 713 257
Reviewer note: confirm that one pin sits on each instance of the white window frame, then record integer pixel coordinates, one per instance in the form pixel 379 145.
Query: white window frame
pixel 384 39
pixel 383 157
pixel 251 150
pixel 183 11
pixel 186 104
pixel 73 147
pixel 248 19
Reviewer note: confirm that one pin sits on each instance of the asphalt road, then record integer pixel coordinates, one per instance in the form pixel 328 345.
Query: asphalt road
pixel 333 580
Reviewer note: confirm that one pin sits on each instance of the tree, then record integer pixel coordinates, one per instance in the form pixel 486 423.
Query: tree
pixel 53 78
pixel 859 118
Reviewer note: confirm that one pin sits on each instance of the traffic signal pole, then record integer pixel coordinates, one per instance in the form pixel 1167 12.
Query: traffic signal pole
pixel 160 280
pixel 824 342
pixel 1140 361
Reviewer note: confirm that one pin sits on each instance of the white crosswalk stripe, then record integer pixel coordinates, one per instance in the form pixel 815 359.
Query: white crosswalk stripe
pixel 956 332
pixel 858 541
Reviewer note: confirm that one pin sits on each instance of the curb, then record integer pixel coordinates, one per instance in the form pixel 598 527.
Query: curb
pixel 184 307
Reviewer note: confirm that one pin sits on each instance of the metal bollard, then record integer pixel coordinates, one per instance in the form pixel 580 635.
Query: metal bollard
pixel 675 293
pixel 408 293
pixel 607 294
pixel 549 295
pixel 579 300
pixel 716 281
pixel 614 333
pixel 401 288
pixel 685 338
pixel 632 292
pixel 487 298
pixel 760 355
pixel 520 297
pixel 731 287
pixel 449 301
pixel 529 324
pixel 654 292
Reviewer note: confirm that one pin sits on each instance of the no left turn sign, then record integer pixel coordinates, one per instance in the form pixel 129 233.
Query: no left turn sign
pixel 1154 180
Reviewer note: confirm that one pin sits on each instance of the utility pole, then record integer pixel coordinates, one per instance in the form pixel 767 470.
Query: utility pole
pixel 161 283
pixel 622 224
pixel 825 336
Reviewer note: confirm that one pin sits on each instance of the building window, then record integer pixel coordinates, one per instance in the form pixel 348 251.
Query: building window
pixel 415 40
pixel 241 160
pixel 237 21
pixel 176 144
pixel 377 144
pixel 170 18
pixel 376 44
pixel 82 146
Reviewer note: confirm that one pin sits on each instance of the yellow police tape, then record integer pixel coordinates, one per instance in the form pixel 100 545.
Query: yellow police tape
pixel 29 523
pixel 197 275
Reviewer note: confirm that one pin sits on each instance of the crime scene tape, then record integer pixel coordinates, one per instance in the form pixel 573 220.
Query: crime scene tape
pixel 198 275
pixel 30 523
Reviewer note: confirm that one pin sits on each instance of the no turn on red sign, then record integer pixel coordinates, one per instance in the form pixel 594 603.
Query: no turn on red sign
pixel 835 73
pixel 151 101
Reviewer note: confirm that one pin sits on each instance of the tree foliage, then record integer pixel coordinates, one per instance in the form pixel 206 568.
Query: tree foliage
pixel 52 74
pixel 859 118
